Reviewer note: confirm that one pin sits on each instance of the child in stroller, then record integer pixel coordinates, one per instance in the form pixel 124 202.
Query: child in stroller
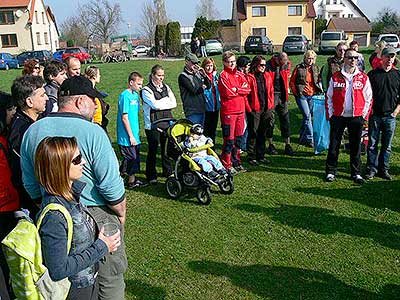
pixel 207 162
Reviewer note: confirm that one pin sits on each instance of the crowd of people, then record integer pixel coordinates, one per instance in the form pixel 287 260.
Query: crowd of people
pixel 55 147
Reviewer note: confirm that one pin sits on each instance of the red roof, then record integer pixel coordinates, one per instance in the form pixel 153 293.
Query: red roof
pixel 14 3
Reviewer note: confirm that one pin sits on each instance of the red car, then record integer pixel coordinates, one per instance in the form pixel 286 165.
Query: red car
pixel 78 52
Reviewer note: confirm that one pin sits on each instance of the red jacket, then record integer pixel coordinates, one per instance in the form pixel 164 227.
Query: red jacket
pixel 284 72
pixel 253 99
pixel 9 200
pixel 361 95
pixel 233 102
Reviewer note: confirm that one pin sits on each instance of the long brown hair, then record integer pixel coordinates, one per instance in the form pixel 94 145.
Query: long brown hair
pixel 52 164
pixel 29 66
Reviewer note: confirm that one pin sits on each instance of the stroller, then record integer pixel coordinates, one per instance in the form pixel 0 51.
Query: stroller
pixel 186 172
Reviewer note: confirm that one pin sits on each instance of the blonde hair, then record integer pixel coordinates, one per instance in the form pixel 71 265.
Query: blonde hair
pixel 91 72
pixel 53 159
pixel 310 53
pixel 227 55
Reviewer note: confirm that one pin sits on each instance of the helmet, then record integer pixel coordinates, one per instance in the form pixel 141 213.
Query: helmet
pixel 197 129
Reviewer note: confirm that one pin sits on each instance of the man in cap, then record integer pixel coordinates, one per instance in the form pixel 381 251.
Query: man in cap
pixel 192 82
pixel 385 83
pixel 104 193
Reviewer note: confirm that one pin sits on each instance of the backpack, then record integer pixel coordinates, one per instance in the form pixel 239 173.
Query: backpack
pixel 22 247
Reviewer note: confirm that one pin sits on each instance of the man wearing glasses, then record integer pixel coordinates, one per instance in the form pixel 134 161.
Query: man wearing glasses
pixel 349 100
pixel 104 193
pixel 337 59
pixel 385 83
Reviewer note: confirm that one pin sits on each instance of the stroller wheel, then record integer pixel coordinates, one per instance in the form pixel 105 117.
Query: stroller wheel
pixel 226 186
pixel 204 195
pixel 174 187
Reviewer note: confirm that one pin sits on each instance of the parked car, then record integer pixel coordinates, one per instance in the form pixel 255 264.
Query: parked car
pixel 141 49
pixel 330 39
pixel 78 52
pixel 41 55
pixel 58 54
pixel 390 39
pixel 214 47
pixel 258 44
pixel 296 44
pixel 7 61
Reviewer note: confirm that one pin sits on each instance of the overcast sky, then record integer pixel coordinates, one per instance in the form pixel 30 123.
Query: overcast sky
pixel 184 11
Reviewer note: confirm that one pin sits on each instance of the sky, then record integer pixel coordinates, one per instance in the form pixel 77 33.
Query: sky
pixel 184 11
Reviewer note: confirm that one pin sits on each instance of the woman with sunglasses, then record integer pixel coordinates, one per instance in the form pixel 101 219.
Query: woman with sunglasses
pixel 260 117
pixel 31 67
pixel 58 168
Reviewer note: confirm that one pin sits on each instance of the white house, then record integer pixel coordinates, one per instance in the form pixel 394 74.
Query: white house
pixel 27 25
pixel 186 34
pixel 327 9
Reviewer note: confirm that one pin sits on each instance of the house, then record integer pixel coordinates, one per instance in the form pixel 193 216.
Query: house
pixel 186 34
pixel 357 29
pixel 327 9
pixel 273 18
pixel 27 25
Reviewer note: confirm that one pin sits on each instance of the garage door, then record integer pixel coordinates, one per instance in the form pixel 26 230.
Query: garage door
pixel 361 39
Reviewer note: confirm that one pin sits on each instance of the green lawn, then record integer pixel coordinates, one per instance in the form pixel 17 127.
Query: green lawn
pixel 284 233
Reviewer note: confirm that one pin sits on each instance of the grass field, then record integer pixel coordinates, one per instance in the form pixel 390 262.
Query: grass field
pixel 284 233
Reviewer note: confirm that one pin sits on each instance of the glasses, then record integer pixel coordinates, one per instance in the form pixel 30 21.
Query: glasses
pixel 77 160
pixel 36 68
pixel 352 57
pixel 262 65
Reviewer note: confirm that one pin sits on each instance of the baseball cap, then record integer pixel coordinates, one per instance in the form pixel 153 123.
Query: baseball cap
pixel 387 51
pixel 192 58
pixel 78 85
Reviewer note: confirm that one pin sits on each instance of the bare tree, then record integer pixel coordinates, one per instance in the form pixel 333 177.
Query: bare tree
pixel 72 29
pixel 101 18
pixel 207 9
pixel 153 14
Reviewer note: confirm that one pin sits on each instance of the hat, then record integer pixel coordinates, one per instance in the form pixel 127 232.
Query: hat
pixel 197 129
pixel 78 85
pixel 192 58
pixel 387 51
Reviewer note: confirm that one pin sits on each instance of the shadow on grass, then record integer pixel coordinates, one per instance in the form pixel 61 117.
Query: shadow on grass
pixel 283 283
pixel 323 221
pixel 144 291
pixel 375 193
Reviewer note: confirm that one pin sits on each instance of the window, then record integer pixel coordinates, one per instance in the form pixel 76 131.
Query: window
pixel 43 19
pixel 46 38
pixel 260 31
pixel 39 42
pixel 36 17
pixel 259 11
pixel 7 17
pixel 294 30
pixel 295 10
pixel 9 40
pixel 334 1
pixel 350 15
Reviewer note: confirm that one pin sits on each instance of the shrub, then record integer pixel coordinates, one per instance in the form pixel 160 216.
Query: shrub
pixel 173 38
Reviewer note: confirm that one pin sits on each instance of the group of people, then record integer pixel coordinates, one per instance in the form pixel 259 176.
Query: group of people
pixel 55 148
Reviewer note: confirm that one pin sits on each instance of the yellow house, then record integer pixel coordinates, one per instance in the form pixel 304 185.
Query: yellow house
pixel 275 19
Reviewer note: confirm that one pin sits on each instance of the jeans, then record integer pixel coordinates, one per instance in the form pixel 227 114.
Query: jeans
pixel 208 163
pixel 338 124
pixel 387 126
pixel 305 104
pixel 196 118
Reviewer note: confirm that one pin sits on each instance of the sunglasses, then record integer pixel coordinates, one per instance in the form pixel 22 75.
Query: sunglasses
pixel 262 65
pixel 77 160
pixel 352 57
pixel 36 68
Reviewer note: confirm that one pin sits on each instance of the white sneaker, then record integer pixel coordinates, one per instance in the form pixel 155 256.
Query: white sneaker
pixel 330 177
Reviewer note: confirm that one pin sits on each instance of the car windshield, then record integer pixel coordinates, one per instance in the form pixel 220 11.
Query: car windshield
pixel 331 36
pixel 212 42
pixel 73 50
pixel 389 39
pixel 293 39
pixel 254 40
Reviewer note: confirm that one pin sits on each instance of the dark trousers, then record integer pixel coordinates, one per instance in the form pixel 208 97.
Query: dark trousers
pixel 354 126
pixel 155 138
pixel 282 110
pixel 264 131
pixel 210 124
pixel 87 293
pixel 130 160
pixel 253 122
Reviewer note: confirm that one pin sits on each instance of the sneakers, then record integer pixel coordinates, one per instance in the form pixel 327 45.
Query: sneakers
pixel 233 171
pixel 240 168
pixel 253 162
pixel 385 175
pixel 289 150
pixel 370 175
pixel 136 184
pixel 358 179
pixel 272 149
pixel 212 174
pixel 307 144
pixel 264 161
pixel 330 177
pixel 153 181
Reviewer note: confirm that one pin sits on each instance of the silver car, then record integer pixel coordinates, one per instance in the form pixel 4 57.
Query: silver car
pixel 213 47
pixel 296 44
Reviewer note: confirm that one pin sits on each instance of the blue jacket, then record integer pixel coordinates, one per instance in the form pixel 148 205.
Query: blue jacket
pixel 80 265
pixel 210 104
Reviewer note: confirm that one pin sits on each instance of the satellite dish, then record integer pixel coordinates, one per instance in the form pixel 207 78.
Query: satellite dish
pixel 19 13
